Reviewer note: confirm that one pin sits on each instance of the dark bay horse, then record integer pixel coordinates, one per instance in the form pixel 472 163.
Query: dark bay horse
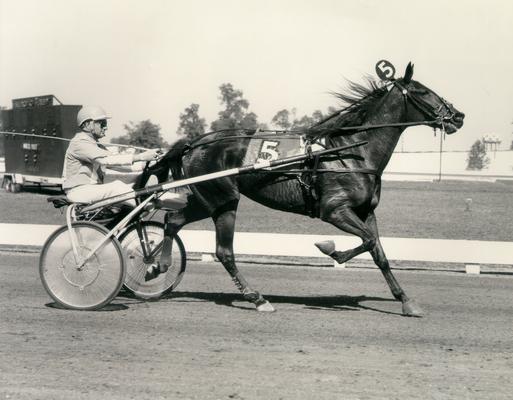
pixel 347 187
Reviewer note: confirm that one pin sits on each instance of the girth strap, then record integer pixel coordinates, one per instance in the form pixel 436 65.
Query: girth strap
pixel 308 183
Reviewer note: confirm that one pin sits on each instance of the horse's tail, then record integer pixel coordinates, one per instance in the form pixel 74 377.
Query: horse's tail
pixel 142 179
pixel 173 158
pixel 172 161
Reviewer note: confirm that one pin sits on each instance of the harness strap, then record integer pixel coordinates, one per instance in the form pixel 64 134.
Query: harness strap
pixel 293 134
pixel 322 170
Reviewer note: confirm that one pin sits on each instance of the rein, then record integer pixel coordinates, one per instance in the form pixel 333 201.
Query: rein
pixel 33 135
pixel 437 117
pixel 295 133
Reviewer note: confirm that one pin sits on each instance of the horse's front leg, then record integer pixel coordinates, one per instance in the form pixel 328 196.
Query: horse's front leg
pixel 346 219
pixel 225 229
pixel 410 308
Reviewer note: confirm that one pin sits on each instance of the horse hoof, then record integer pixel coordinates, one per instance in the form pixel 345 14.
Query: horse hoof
pixel 265 307
pixel 327 247
pixel 411 309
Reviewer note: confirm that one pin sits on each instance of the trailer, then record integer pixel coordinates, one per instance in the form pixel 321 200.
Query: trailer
pixel 36 134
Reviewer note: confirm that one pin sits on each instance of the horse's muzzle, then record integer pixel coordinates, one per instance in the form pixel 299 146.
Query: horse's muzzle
pixel 455 123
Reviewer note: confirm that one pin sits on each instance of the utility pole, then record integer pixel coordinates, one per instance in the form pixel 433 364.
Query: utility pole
pixel 440 164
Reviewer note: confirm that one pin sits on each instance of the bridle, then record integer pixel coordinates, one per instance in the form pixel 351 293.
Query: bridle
pixel 438 116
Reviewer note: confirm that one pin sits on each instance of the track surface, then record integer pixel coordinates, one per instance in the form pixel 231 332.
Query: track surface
pixel 337 334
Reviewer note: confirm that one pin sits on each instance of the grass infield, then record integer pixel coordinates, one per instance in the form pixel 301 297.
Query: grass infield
pixel 437 210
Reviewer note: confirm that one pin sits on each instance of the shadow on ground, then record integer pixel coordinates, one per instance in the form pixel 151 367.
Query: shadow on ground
pixel 331 303
pixel 108 307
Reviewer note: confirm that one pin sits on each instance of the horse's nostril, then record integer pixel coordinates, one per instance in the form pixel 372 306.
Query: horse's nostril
pixel 458 118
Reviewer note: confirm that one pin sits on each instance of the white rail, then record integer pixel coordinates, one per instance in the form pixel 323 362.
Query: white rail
pixel 275 244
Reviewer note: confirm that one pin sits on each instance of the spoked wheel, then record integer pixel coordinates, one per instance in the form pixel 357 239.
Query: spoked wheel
pixel 140 260
pixel 90 286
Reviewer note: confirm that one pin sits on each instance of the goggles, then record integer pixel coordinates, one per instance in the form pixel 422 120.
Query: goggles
pixel 102 122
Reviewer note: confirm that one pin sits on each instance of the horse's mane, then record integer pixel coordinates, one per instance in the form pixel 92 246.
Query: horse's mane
pixel 357 101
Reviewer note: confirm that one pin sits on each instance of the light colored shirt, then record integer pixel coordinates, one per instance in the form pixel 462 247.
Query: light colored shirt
pixel 86 160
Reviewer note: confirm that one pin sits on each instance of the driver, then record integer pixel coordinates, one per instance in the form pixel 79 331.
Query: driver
pixel 86 161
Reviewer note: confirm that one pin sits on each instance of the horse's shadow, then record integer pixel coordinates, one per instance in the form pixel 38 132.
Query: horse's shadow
pixel 328 303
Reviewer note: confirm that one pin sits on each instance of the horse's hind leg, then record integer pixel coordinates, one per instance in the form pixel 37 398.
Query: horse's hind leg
pixel 410 308
pixel 225 228
pixel 346 219
pixel 173 222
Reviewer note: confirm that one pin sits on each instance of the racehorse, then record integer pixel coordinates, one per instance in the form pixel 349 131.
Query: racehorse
pixel 347 187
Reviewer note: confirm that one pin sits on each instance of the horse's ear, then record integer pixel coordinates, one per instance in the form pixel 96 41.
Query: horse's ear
pixel 408 74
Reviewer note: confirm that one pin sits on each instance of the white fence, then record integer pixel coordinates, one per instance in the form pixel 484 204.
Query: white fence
pixel 426 166
pixel 274 244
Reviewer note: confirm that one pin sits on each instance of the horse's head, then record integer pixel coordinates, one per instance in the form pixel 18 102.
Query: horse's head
pixel 424 104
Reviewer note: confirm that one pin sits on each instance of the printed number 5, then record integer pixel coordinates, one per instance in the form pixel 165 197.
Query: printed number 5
pixel 385 69
pixel 268 150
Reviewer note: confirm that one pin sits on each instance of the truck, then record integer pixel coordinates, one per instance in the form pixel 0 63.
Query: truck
pixel 36 134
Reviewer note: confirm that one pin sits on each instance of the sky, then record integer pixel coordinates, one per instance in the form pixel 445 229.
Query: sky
pixel 152 59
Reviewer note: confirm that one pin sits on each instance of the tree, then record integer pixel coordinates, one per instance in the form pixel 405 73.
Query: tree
pixel 477 159
pixel 191 125
pixel 143 134
pixel 235 114
pixel 302 123
pixel 317 116
pixel 282 119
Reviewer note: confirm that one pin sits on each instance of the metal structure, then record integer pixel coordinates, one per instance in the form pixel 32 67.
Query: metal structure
pixel 36 136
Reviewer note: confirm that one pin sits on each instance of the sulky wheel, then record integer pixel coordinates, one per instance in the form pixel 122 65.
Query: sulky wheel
pixel 90 286
pixel 139 260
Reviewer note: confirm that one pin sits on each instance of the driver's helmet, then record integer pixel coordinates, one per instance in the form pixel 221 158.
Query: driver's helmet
pixel 94 113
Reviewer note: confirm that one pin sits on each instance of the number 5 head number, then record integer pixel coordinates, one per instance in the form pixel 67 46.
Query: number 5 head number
pixel 385 70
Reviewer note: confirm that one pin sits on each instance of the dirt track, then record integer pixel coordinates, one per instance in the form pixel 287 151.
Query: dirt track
pixel 336 335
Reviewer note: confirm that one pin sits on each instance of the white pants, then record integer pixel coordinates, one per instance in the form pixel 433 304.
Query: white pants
pixel 97 192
